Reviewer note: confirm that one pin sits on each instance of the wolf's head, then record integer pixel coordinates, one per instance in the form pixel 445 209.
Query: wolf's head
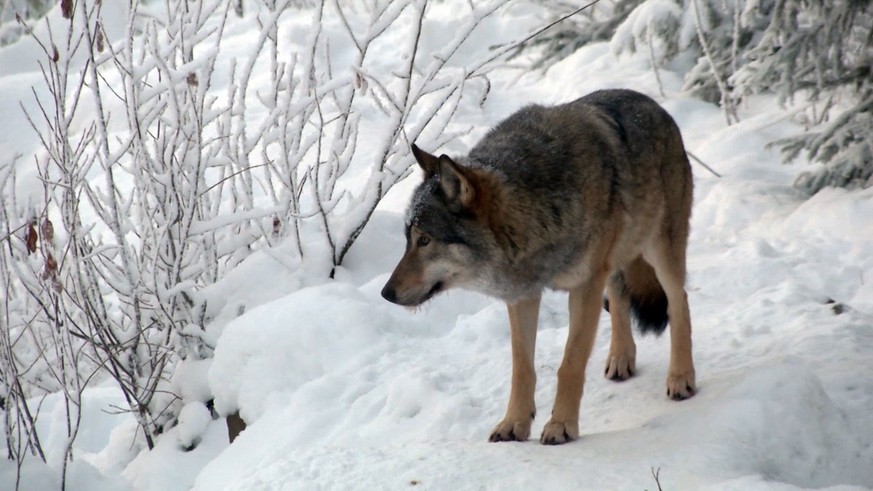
pixel 446 243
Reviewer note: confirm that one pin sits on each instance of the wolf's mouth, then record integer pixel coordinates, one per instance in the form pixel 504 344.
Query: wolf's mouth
pixel 437 287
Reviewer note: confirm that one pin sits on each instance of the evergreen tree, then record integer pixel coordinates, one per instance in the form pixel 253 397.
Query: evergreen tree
pixel 821 51
pixel 818 52
pixel 596 23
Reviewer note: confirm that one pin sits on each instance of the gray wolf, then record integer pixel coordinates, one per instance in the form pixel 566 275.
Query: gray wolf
pixel 589 195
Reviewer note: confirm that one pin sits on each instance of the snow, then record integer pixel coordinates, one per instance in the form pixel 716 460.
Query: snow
pixel 642 27
pixel 342 390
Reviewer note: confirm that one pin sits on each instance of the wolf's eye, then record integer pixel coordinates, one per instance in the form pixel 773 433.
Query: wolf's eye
pixel 423 240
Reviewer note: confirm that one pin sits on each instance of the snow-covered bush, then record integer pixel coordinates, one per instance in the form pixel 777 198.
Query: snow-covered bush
pixel 155 184
pixel 322 165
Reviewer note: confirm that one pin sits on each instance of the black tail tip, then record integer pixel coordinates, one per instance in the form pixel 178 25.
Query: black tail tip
pixel 650 314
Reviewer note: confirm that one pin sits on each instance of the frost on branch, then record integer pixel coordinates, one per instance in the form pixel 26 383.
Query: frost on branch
pixel 594 24
pixel 156 181
pixel 124 182
pixel 338 135
pixel 820 53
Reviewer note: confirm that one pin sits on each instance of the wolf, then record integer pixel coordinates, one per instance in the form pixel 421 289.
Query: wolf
pixel 585 196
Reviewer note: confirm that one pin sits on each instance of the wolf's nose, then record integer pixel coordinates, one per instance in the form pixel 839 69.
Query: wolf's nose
pixel 388 293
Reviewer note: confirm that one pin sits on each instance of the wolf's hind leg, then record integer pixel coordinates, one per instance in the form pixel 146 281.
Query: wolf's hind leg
pixel 668 259
pixel 621 362
pixel 521 409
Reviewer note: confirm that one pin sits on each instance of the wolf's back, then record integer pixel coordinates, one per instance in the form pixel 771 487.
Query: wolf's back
pixel 622 132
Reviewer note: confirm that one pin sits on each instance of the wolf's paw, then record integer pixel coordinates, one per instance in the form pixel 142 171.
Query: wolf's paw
pixel 680 385
pixel 620 367
pixel 558 432
pixel 511 430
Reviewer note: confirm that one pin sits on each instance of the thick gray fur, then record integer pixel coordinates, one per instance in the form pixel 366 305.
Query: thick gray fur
pixel 566 173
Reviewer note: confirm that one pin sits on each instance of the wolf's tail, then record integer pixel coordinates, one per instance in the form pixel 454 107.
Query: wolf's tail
pixel 648 302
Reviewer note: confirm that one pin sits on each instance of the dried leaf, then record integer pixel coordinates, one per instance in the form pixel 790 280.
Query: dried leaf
pixel 51 267
pixel 99 42
pixel 55 55
pixel 48 230
pixel 192 79
pixel 30 238
pixel 277 227
pixel 67 9
pixel 51 272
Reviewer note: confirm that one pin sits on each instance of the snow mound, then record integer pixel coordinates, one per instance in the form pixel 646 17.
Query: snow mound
pixel 279 346
pixel 773 427
pixel 775 422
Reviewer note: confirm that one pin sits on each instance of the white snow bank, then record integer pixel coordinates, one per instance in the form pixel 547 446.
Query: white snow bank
pixel 269 353
pixel 173 464
pixel 283 344
pixel 770 425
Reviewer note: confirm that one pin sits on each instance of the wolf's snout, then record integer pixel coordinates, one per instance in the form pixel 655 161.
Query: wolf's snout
pixel 389 293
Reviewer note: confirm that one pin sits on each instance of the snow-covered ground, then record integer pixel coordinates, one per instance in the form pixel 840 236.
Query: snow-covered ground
pixel 342 390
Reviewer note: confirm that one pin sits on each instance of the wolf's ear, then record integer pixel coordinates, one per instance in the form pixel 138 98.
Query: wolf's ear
pixel 456 184
pixel 429 164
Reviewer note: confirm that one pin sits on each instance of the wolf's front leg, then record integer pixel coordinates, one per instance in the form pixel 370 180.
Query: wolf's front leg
pixel 584 313
pixel 521 409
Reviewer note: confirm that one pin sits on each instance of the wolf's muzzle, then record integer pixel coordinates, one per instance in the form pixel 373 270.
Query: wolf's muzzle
pixel 389 293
